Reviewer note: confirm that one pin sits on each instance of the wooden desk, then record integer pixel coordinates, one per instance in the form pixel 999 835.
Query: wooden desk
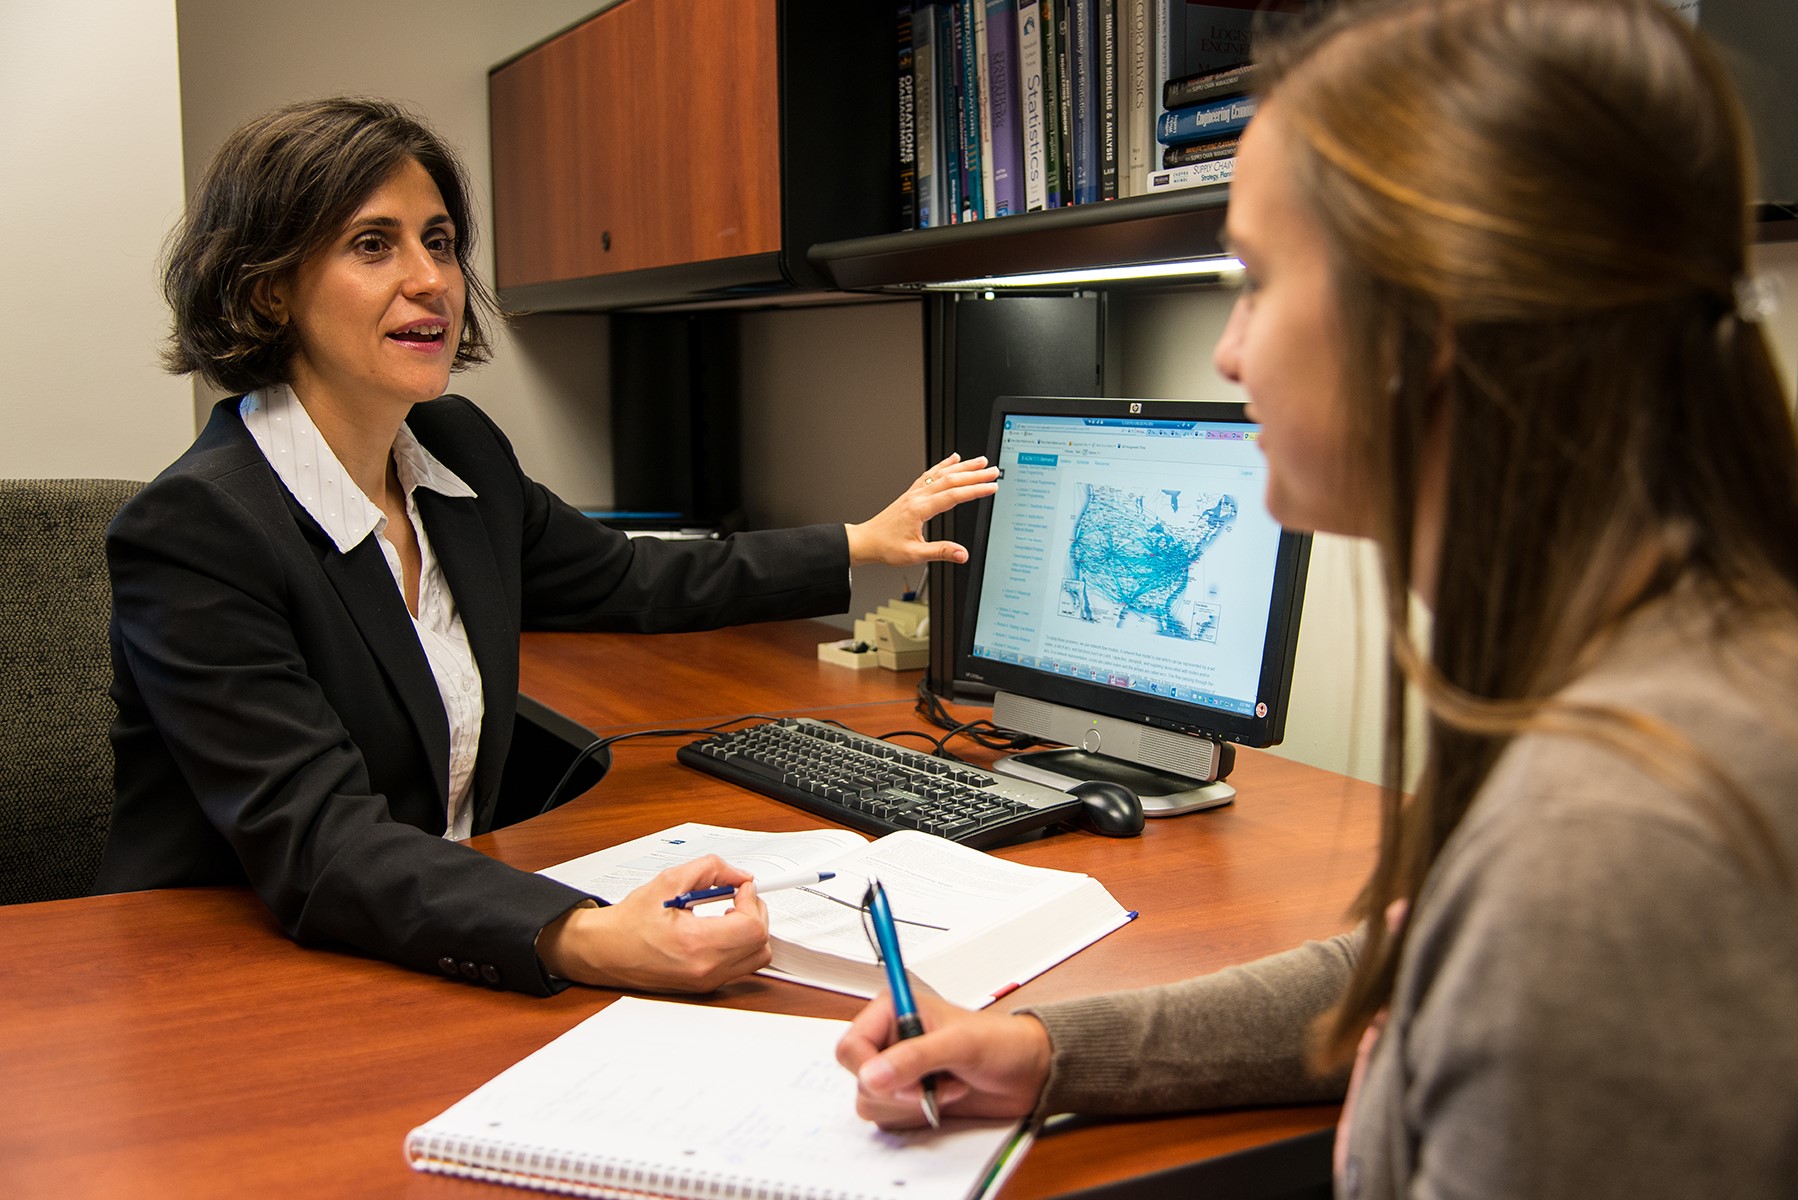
pixel 176 1044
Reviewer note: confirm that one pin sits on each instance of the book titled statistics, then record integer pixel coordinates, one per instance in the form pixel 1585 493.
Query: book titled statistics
pixel 650 1098
pixel 972 927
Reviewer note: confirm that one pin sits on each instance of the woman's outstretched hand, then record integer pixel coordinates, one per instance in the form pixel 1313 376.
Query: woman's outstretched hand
pixel 986 1064
pixel 896 534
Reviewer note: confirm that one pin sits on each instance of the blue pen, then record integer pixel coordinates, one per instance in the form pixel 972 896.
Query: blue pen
pixel 905 1009
pixel 770 883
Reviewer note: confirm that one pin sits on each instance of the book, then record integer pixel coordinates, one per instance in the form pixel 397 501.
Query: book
pixel 973 927
pixel 908 125
pixel 1083 71
pixel 1195 175
pixel 984 89
pixel 1054 138
pixel 1106 52
pixel 1188 153
pixel 1207 85
pixel 948 49
pixel 651 1098
pixel 925 102
pixel 1064 90
pixel 1033 106
pixel 1002 106
pixel 1137 103
pixel 1204 122
pixel 973 195
pixel 1210 37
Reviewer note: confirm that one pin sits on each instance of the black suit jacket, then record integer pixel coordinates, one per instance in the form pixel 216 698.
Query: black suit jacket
pixel 278 721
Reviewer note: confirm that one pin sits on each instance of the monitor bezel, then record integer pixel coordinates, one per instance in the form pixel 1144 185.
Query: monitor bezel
pixel 1290 564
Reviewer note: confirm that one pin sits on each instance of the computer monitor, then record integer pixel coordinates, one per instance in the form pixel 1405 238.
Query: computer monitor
pixel 1130 597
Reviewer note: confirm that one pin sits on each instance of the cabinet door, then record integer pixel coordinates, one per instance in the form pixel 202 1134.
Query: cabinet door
pixel 646 137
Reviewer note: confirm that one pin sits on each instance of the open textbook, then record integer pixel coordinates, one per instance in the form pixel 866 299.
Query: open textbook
pixel 972 927
pixel 651 1098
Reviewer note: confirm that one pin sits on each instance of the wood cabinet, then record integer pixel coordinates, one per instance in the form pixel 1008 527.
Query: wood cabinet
pixel 646 137
pixel 675 149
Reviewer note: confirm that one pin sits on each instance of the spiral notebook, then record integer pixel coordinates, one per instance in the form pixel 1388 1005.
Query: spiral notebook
pixel 649 1098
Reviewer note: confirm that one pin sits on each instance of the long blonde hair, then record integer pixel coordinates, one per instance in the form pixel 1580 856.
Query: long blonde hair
pixel 1552 198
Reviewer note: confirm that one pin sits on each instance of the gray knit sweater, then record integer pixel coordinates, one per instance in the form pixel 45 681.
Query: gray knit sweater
pixel 1599 996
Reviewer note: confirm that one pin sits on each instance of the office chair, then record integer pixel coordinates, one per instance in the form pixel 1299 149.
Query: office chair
pixel 55 670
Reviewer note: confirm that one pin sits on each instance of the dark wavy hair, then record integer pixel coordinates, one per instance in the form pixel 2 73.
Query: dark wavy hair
pixel 1538 215
pixel 280 188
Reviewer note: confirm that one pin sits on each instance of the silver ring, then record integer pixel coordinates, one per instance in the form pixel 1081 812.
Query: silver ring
pixel 930 479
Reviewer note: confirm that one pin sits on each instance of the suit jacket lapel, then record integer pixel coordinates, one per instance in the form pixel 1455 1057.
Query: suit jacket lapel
pixel 365 583
pixel 465 553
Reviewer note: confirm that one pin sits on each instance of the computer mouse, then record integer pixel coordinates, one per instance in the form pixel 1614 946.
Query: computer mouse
pixel 1108 808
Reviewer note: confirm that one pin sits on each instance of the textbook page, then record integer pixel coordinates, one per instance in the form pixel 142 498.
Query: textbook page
pixel 673 1099
pixel 972 927
pixel 613 873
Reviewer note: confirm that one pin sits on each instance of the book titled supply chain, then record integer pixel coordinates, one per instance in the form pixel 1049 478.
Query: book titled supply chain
pixel 1205 121
pixel 1197 175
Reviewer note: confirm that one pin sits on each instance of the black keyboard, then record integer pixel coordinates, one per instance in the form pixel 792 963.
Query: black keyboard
pixel 876 786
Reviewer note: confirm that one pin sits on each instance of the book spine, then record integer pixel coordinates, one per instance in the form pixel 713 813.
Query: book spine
pixel 1139 104
pixel 1051 103
pixel 1163 59
pixel 1188 153
pixel 983 83
pixel 1206 86
pixel 948 41
pixel 1196 175
pixel 1106 49
pixel 1205 122
pixel 908 121
pixel 1064 85
pixel 1033 106
pixel 973 198
pixel 1082 26
pixel 1002 92
pixel 924 106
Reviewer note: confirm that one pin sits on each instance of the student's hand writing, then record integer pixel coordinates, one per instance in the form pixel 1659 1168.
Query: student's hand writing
pixel 895 535
pixel 641 945
pixel 986 1064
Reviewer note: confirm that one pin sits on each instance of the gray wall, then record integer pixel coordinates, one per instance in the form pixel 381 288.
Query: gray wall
pixel 90 151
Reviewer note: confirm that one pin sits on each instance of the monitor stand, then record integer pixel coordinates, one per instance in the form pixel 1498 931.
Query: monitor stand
pixel 1163 794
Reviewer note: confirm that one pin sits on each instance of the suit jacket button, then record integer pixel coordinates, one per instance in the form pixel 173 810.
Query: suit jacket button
pixel 447 965
pixel 490 973
pixel 470 970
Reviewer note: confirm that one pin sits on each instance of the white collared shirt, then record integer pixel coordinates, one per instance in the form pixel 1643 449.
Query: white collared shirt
pixel 305 462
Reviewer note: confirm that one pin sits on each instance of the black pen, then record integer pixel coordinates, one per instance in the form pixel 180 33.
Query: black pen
pixel 905 1009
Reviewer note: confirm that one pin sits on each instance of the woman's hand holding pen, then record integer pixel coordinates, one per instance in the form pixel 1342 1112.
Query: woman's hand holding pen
pixel 640 944
pixel 895 535
pixel 986 1064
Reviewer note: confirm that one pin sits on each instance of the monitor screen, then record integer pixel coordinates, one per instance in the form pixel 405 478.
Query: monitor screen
pixel 1128 566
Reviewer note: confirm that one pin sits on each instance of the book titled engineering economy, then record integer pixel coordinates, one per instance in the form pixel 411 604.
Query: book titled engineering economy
pixel 972 927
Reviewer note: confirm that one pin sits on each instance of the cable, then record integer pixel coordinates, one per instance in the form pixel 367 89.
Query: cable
pixel 596 745
pixel 982 731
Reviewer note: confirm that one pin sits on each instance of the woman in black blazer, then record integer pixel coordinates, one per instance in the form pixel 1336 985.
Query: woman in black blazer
pixel 316 609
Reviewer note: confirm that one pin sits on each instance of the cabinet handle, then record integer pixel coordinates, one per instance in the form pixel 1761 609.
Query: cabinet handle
pixel 605 240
